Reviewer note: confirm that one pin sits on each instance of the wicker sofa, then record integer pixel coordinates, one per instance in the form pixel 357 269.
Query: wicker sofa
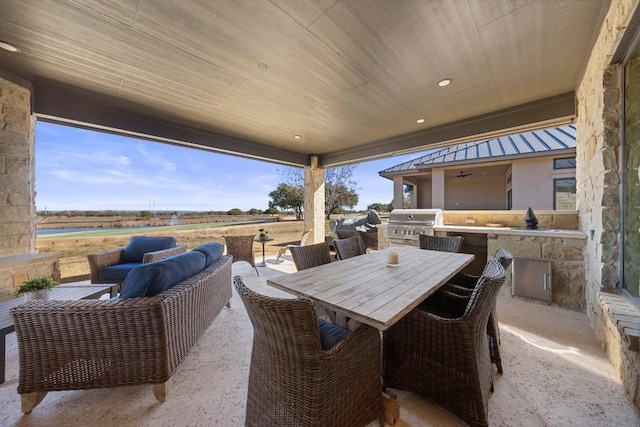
pixel 117 342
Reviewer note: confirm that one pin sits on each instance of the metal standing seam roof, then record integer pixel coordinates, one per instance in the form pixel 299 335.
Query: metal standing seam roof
pixel 539 141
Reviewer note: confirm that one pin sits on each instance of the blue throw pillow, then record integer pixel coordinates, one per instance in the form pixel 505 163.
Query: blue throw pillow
pixel 212 251
pixel 331 334
pixel 150 279
pixel 140 245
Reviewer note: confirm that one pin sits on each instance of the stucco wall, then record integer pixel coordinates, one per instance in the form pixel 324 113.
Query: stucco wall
pixel 476 192
pixel 424 193
pixel 532 185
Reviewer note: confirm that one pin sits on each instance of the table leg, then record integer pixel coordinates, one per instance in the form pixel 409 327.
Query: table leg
pixel 264 263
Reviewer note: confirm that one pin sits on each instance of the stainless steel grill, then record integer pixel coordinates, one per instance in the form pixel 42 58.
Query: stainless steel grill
pixel 406 225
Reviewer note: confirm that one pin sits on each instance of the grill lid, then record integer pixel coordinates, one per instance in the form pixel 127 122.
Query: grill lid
pixel 430 217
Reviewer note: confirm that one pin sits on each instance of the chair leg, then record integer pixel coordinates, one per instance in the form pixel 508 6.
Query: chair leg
pixel 494 341
pixel 160 391
pixel 28 401
pixel 281 252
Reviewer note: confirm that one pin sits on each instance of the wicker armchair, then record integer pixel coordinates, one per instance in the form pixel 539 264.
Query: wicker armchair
pixel 349 247
pixel 303 242
pixel 241 247
pixel 462 284
pixel 447 359
pixel 294 382
pixel 311 255
pixel 113 265
pixel 441 243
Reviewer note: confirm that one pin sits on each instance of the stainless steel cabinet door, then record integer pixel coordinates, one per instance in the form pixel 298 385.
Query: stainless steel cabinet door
pixel 531 278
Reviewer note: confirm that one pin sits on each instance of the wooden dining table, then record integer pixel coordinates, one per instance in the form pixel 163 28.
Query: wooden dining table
pixel 365 288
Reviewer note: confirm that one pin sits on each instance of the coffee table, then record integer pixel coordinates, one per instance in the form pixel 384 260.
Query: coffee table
pixel 61 292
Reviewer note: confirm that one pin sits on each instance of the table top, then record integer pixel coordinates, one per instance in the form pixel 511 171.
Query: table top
pixel 365 288
pixel 263 239
pixel 60 292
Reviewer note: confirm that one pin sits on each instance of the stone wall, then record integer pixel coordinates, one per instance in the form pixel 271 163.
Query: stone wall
pixel 16 269
pixel 17 193
pixel 598 189
pixel 567 263
pixel 18 260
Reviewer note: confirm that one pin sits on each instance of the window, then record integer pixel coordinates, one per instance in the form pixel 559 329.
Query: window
pixel 630 200
pixel 509 200
pixel 564 194
pixel 566 163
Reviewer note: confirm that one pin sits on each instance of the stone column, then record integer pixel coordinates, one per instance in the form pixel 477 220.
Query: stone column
pixel 17 170
pixel 314 200
pixel 437 188
pixel 398 194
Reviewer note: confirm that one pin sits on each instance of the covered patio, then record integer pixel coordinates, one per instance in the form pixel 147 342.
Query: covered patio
pixel 555 374
pixel 321 84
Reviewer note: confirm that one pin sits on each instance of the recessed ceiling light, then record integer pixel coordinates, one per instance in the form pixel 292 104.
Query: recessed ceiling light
pixel 444 82
pixel 420 121
pixel 262 66
pixel 8 47
pixel 297 136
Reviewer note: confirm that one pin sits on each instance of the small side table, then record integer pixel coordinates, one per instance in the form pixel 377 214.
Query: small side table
pixel 262 240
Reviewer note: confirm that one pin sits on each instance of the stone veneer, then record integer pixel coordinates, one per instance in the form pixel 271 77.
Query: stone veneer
pixel 17 206
pixel 598 199
pixel 18 260
pixel 567 263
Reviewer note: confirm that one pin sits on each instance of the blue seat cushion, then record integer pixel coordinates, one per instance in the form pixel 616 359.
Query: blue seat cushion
pixel 150 279
pixel 212 251
pixel 331 334
pixel 117 272
pixel 140 245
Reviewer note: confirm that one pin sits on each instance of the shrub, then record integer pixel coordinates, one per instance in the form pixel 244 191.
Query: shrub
pixel 35 284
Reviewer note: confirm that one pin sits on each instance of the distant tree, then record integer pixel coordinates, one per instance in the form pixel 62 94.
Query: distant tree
pixel 146 214
pixel 272 211
pixel 235 212
pixel 340 197
pixel 288 197
pixel 339 186
pixel 406 198
pixel 381 207
pixel 254 211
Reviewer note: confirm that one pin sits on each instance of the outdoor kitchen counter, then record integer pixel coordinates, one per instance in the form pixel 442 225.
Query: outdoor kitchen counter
pixel 561 234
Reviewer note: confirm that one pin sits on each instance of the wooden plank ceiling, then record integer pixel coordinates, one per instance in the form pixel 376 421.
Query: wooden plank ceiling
pixel 351 77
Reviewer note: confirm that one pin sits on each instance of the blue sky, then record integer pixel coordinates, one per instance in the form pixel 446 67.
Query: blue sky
pixel 78 169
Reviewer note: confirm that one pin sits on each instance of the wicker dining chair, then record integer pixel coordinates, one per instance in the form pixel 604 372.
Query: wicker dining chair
pixel 311 255
pixel 349 247
pixel 463 284
pixel 447 359
pixel 241 247
pixel 297 378
pixel 441 243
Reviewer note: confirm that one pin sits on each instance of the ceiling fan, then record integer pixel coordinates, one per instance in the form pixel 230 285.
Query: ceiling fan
pixel 462 174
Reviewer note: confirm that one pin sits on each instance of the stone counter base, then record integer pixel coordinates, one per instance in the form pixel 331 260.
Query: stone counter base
pixel 16 269
pixel 567 264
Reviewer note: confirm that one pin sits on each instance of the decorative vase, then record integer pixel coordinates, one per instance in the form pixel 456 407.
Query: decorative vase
pixel 39 295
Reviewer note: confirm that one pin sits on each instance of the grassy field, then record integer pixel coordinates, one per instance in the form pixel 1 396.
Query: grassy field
pixel 74 247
